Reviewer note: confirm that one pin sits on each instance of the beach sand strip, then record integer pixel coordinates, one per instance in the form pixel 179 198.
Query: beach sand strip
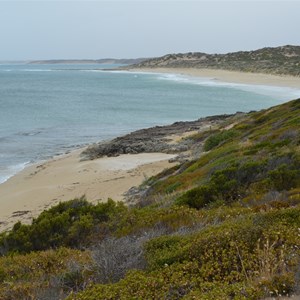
pixel 40 186
pixel 230 76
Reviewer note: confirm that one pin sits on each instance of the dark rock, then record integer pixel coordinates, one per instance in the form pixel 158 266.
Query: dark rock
pixel 155 139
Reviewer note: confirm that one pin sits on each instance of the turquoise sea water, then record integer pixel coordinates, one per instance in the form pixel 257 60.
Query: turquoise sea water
pixel 49 109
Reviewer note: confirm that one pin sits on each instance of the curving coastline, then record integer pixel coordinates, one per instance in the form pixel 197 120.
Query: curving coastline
pixel 111 169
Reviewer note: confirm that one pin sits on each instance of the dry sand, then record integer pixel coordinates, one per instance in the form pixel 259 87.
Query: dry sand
pixel 231 76
pixel 40 186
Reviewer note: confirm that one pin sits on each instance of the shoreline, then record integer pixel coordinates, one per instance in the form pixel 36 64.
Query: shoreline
pixel 127 161
pixel 39 186
pixel 100 171
pixel 229 76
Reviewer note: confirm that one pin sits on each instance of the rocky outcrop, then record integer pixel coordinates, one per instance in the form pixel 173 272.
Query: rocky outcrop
pixel 155 139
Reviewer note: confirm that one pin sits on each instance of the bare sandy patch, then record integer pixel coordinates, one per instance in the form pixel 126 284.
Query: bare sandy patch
pixel 66 177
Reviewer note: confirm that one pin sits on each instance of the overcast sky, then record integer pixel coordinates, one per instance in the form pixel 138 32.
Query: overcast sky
pixel 128 29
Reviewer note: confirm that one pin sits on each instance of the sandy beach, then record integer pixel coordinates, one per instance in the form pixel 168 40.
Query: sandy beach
pixel 231 76
pixel 65 177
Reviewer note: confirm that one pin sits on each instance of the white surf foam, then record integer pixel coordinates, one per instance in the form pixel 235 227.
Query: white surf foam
pixel 8 172
pixel 38 70
pixel 284 93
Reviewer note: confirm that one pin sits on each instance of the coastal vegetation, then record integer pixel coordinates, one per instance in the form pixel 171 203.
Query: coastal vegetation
pixel 279 60
pixel 223 224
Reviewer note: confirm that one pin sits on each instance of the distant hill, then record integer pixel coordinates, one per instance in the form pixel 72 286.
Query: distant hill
pixel 283 60
pixel 124 61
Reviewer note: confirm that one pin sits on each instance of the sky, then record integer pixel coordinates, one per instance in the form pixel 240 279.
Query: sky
pixel 33 30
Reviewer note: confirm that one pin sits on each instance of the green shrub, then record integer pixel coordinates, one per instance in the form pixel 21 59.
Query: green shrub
pixel 164 251
pixel 171 188
pixel 284 177
pixel 216 139
pixel 197 198
pixel 69 224
pixel 2 275
pixel 37 274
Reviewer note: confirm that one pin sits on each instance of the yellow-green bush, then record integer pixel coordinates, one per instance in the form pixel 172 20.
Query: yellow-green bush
pixel 25 276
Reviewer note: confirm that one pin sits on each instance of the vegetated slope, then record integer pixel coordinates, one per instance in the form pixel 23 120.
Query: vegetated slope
pixel 283 60
pixel 222 226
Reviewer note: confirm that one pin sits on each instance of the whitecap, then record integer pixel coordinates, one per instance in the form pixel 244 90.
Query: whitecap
pixel 37 70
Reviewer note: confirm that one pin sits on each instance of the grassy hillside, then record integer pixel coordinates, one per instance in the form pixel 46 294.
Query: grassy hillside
pixel 225 225
pixel 283 60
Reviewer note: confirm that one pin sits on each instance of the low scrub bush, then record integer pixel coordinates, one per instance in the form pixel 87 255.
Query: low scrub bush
pixel 164 251
pixel 284 177
pixel 50 274
pixel 217 138
pixel 197 198
pixel 114 257
pixel 69 224
pixel 238 259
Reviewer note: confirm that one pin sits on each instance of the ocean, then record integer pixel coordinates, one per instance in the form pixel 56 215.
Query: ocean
pixel 47 110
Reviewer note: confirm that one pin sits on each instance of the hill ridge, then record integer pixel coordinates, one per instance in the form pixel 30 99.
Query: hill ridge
pixel 282 60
